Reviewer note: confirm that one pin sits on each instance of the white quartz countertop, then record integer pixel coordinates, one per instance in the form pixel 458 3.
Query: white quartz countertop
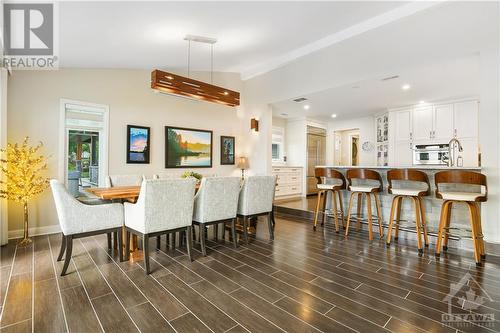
pixel 420 167
pixel 286 166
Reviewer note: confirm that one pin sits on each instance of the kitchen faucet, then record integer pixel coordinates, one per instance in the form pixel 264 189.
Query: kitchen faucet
pixel 451 150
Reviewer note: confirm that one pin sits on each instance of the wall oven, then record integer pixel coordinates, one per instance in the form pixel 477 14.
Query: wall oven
pixel 436 154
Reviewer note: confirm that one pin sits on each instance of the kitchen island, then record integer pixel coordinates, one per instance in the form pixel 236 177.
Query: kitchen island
pixel 460 217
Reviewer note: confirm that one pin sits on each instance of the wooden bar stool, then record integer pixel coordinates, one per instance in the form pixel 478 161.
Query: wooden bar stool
pixel 413 193
pixel 334 189
pixel 368 190
pixel 471 199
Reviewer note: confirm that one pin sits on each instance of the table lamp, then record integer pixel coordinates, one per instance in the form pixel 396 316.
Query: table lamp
pixel 242 164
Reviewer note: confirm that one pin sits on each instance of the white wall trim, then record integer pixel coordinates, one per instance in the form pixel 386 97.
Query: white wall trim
pixel 352 31
pixel 35 231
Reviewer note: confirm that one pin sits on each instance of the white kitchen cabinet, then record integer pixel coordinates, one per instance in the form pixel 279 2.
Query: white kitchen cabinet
pixel 402 128
pixel 403 153
pixel 466 119
pixel 288 181
pixel 423 121
pixel 443 123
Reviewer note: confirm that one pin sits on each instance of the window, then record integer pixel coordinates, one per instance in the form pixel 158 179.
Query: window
pixel 278 144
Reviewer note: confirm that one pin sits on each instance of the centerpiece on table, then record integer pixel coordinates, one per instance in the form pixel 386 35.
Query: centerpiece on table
pixel 192 174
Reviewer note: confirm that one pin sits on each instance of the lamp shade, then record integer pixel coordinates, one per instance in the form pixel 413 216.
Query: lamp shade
pixel 242 163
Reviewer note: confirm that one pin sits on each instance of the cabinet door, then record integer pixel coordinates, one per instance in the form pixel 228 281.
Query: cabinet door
pixel 466 119
pixel 422 123
pixel 402 125
pixel 403 153
pixel 443 123
pixel 469 153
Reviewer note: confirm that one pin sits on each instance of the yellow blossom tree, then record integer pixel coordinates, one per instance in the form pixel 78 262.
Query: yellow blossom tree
pixel 21 166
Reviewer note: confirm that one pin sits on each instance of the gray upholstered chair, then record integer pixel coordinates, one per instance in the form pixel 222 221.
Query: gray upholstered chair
pixel 256 199
pixel 166 176
pixel 163 206
pixel 216 202
pixel 79 220
pixel 123 180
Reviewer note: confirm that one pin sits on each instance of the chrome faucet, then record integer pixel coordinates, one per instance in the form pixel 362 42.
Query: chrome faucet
pixel 451 151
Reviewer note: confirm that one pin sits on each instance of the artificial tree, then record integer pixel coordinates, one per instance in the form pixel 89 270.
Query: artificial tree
pixel 22 166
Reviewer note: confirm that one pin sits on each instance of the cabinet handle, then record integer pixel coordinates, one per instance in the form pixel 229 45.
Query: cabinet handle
pixel 411 135
pixel 430 135
pixel 455 132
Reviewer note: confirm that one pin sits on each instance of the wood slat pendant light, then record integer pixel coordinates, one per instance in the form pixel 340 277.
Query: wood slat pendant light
pixel 179 85
pixel 185 86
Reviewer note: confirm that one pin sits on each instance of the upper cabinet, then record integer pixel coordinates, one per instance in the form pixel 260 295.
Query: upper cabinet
pixel 443 123
pixel 466 119
pixel 423 123
pixel 402 125
pixel 433 124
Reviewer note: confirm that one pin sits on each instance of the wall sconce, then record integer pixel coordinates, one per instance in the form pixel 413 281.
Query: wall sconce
pixel 254 124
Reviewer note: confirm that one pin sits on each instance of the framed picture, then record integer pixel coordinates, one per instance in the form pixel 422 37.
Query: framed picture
pixel 187 148
pixel 138 144
pixel 226 150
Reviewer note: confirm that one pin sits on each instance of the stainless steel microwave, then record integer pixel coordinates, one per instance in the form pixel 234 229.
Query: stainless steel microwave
pixel 436 154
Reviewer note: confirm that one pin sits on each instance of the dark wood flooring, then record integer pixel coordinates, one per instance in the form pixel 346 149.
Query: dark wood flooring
pixel 303 281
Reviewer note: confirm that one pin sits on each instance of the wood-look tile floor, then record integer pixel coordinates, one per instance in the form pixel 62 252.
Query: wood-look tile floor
pixel 303 281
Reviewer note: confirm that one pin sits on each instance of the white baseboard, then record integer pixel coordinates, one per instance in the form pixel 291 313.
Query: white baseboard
pixel 35 231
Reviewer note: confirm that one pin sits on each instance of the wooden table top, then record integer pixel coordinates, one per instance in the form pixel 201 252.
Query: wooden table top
pixel 118 192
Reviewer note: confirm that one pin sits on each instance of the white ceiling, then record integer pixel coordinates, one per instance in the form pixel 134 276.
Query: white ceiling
pixel 150 34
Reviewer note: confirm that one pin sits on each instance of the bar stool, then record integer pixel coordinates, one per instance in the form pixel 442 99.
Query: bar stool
pixel 471 199
pixel 368 190
pixel 334 189
pixel 413 193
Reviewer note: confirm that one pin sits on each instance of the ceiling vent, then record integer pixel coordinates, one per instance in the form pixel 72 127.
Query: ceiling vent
pixel 390 78
pixel 300 99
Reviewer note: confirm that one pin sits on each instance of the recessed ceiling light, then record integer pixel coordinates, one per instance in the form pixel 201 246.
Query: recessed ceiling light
pixel 406 87
pixel 284 114
pixel 334 115
pixel 355 87
pixel 422 102
pixel 306 107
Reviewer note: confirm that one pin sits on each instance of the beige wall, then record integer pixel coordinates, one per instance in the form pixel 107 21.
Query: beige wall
pixel 33 110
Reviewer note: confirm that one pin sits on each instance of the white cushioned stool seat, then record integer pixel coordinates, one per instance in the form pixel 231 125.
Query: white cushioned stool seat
pixel 402 191
pixel 326 186
pixel 366 189
pixel 461 196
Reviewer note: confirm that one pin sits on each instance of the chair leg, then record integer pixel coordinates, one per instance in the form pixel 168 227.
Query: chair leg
pixel 245 229
pixel 394 208
pixel 323 217
pixel 145 247
pixel 349 214
pixel 318 202
pixel 447 227
pixel 270 224
pixel 233 233
pixel 202 239
pixel 216 232
pixel 379 216
pixel 189 242
pixel 358 217
pixel 417 223
pixel 120 244
pixel 109 240
pixel 479 229
pixel 127 245
pixel 398 218
pixel 272 218
pixel 442 224
pixel 339 194
pixel 335 212
pixel 158 242
pixel 423 220
pixel 369 213
pixel 472 220
pixel 69 250
pixel 115 240
pixel 63 247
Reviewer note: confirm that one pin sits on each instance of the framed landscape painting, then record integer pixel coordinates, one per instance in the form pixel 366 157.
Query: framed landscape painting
pixel 227 150
pixel 187 148
pixel 138 144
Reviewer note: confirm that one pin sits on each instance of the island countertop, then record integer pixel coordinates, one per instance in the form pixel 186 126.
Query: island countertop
pixel 419 167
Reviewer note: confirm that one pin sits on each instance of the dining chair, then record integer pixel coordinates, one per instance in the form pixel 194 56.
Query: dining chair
pixel 124 180
pixel 78 220
pixel 163 206
pixel 166 176
pixel 256 199
pixel 216 203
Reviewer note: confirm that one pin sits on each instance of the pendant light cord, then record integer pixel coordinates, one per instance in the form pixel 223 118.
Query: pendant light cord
pixel 189 57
